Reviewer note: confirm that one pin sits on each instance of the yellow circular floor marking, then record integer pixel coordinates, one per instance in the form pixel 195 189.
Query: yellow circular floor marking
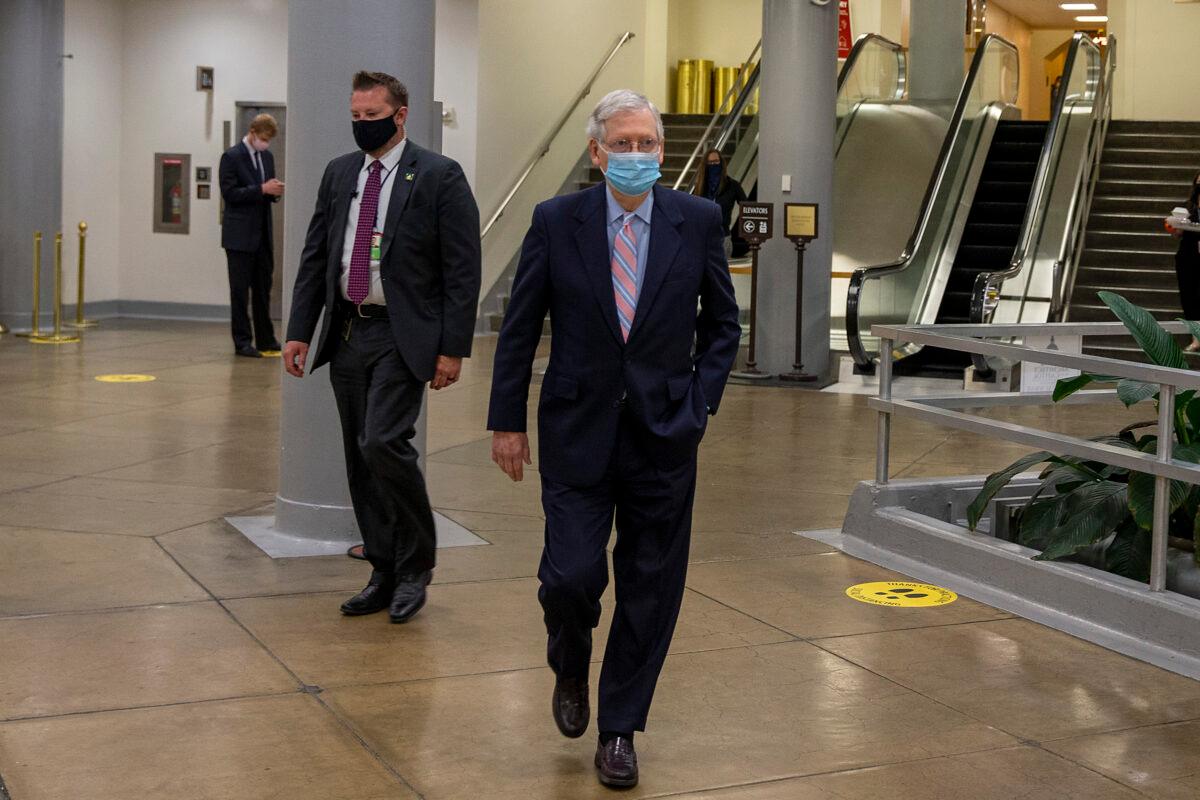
pixel 901 594
pixel 270 353
pixel 124 378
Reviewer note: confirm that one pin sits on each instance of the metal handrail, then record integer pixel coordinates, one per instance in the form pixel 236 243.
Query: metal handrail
pixel 860 44
pixel 1064 278
pixel 544 147
pixel 743 92
pixel 859 277
pixel 1161 464
pixel 987 284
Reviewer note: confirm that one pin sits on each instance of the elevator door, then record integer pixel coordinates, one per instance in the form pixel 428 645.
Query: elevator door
pixel 245 113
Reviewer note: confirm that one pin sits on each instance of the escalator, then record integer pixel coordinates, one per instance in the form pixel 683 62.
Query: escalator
pixel 991 233
pixel 999 226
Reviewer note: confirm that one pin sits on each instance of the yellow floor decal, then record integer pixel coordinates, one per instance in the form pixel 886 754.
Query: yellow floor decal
pixel 270 353
pixel 124 378
pixel 901 594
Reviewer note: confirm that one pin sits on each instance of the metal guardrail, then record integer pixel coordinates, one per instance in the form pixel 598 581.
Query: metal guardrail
pixel 924 218
pixel 544 146
pixel 968 339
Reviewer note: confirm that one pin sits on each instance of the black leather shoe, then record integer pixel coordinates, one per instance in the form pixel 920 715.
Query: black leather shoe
pixel 409 596
pixel 248 352
pixel 570 706
pixel 616 763
pixel 274 347
pixel 375 597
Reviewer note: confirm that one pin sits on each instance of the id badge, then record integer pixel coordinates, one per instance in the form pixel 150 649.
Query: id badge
pixel 376 245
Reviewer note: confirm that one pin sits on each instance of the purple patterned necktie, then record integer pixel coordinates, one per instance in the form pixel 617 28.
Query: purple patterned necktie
pixel 624 275
pixel 359 285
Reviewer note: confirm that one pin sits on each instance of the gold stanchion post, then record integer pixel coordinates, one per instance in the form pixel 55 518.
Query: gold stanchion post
pixel 80 322
pixel 58 337
pixel 34 329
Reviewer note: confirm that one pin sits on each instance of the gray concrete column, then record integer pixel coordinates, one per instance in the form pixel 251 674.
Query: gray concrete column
pixel 935 51
pixel 31 94
pixel 799 94
pixel 327 43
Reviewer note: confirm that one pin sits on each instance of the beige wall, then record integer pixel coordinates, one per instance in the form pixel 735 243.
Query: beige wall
pixel 1043 42
pixel 888 18
pixel 722 31
pixel 1155 59
pixel 1019 33
pixel 92 94
pixel 533 58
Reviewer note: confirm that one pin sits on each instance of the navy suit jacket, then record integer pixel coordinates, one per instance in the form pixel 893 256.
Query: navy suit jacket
pixel 430 259
pixel 665 380
pixel 242 227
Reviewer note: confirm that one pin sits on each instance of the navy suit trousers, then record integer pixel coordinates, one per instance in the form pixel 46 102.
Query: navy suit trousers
pixel 653 511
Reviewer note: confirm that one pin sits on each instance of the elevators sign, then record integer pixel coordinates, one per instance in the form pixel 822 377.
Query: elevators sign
pixel 754 221
pixel 800 221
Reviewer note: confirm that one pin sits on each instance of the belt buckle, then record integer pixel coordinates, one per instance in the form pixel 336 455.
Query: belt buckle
pixel 359 311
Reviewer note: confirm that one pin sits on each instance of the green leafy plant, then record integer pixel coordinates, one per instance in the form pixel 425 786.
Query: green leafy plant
pixel 1078 503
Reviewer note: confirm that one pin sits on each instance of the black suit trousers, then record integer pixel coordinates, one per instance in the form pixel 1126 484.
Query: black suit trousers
pixel 379 400
pixel 250 276
pixel 653 510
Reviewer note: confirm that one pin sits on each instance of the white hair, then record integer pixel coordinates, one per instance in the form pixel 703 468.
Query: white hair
pixel 618 102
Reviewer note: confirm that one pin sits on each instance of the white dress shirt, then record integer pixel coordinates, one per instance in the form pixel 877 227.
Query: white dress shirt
pixel 255 158
pixel 387 176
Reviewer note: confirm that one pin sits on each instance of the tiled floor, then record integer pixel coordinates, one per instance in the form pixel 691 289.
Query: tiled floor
pixel 147 650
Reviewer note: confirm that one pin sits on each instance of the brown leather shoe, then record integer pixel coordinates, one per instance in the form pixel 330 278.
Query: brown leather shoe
pixel 616 763
pixel 570 706
pixel 409 596
pixel 375 597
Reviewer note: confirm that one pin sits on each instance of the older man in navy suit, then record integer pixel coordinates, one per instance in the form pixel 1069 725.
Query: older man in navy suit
pixel 644 329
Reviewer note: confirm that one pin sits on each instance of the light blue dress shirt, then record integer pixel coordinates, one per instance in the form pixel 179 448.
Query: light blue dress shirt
pixel 640 223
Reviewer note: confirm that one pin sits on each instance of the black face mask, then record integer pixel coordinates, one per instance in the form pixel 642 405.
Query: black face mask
pixel 372 134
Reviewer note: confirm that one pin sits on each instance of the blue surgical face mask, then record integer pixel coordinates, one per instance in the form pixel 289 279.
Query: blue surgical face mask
pixel 632 173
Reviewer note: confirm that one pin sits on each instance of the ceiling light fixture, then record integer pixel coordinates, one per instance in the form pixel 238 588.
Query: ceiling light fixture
pixel 1092 18
pixel 1077 6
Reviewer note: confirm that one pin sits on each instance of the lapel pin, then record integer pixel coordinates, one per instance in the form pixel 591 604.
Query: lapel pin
pixel 408 176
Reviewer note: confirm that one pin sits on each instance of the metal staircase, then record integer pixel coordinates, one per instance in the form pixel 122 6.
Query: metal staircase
pixel 1146 170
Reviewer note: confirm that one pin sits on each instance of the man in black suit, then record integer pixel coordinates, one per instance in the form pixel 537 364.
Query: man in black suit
pixel 249 187
pixel 392 256
pixel 634 373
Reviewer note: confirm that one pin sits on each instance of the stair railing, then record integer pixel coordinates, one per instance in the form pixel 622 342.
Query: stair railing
pixel 1066 266
pixel 544 147
pixel 739 93
pixel 986 293
pixel 863 360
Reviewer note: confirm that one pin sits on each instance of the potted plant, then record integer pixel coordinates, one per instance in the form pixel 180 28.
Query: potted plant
pixel 1081 504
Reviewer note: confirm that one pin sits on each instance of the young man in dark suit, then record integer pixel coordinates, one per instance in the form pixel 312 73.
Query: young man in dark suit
pixel 634 373
pixel 249 187
pixel 392 256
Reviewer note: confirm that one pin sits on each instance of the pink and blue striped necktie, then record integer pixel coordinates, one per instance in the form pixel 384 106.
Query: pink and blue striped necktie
pixel 624 275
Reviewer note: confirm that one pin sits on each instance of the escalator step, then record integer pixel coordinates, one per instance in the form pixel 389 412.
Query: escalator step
pixel 991 233
pixel 1008 212
pixel 1004 191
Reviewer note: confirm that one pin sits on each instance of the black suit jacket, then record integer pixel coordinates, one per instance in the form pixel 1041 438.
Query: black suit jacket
pixel 672 370
pixel 430 258
pixel 247 210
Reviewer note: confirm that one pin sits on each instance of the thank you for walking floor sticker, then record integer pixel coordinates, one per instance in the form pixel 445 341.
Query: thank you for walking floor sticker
pixel 901 594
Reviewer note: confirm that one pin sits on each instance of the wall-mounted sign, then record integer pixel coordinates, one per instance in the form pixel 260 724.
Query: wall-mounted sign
pixel 800 221
pixel 204 174
pixel 845 40
pixel 203 191
pixel 204 79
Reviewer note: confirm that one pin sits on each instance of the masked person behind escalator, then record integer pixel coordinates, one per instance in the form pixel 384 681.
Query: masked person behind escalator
pixel 714 183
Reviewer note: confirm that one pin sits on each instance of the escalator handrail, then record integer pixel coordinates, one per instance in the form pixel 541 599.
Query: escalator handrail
pixel 860 45
pixel 544 146
pixel 744 89
pixel 862 274
pixel 1039 196
pixel 1081 199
